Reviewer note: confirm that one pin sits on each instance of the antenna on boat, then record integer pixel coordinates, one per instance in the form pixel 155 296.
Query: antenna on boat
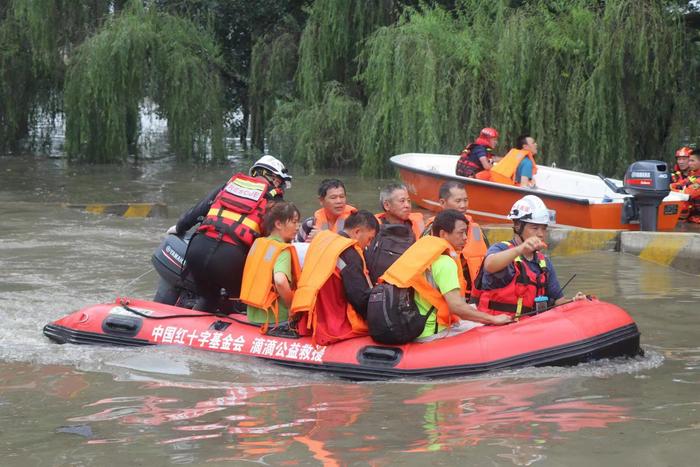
pixel 567 282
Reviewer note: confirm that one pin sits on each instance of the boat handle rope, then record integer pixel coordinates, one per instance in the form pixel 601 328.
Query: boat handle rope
pixel 125 304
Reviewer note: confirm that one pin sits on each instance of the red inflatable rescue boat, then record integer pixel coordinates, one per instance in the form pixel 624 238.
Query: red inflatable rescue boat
pixel 565 335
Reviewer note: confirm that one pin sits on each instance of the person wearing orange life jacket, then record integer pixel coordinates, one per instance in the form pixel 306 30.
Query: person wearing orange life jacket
pixel 334 210
pixel 272 268
pixel 453 195
pixel 430 266
pixel 330 302
pixel 516 274
pixel 478 156
pixel 231 217
pixel 396 203
pixel 692 188
pixel 679 179
pixel 680 169
pixel 518 167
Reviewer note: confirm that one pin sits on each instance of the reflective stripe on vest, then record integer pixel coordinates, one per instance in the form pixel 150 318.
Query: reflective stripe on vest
pixel 320 263
pixel 236 213
pixel 321 221
pixel 257 286
pixel 519 294
pixel 236 217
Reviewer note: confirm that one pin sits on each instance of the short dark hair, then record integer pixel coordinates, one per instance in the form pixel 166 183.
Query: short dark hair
pixel 446 220
pixel 282 211
pixel 522 140
pixel 327 184
pixel 446 187
pixel 362 218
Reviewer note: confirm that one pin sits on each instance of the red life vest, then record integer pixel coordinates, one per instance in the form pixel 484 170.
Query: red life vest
pixel 466 165
pixel 236 214
pixel 519 295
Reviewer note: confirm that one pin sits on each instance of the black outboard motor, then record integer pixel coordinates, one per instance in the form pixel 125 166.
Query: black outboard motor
pixel 168 260
pixel 649 183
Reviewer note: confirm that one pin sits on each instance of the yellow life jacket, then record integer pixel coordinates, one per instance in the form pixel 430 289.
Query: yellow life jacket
pixel 320 263
pixel 409 271
pixel 257 287
pixel 504 171
pixel 474 250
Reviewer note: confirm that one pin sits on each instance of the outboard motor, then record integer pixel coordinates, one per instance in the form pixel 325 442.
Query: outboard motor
pixel 168 260
pixel 649 183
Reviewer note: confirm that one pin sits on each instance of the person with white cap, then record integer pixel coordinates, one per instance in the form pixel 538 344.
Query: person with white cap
pixel 516 276
pixel 230 220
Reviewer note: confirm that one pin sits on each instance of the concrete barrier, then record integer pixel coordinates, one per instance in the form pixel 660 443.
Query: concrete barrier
pixel 125 209
pixel 675 249
pixel 679 250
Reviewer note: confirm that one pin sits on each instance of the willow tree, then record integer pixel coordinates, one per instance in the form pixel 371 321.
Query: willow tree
pixel 36 36
pixel 273 64
pixel 143 54
pixel 320 125
pixel 599 84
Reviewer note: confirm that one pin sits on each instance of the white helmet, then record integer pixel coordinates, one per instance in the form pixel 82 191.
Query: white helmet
pixel 274 166
pixel 530 209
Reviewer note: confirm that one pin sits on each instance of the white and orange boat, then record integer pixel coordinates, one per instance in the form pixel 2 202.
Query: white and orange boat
pixel 575 199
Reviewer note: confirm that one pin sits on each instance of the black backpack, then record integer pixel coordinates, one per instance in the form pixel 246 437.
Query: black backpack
pixel 393 316
pixel 390 243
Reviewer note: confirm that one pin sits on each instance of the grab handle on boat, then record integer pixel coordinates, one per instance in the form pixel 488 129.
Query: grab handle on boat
pixel 379 356
pixel 122 325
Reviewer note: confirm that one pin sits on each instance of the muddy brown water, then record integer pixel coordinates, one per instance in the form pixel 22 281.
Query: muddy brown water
pixel 75 405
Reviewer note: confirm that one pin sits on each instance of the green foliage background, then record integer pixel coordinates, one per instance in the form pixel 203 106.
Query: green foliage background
pixel 348 83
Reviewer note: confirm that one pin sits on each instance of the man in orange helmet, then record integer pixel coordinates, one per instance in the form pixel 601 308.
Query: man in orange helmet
pixel 680 169
pixel 477 156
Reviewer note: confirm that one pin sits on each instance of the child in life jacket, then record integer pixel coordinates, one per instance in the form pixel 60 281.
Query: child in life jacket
pixel 516 274
pixel 272 268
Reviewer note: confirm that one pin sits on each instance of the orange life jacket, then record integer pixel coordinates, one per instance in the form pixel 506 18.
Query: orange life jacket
pixel 236 214
pixel 504 171
pixel 321 221
pixel 415 218
pixel 409 271
pixel 257 286
pixel 473 253
pixel 518 296
pixel 320 262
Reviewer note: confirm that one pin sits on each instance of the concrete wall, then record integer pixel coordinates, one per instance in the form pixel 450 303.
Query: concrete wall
pixel 679 250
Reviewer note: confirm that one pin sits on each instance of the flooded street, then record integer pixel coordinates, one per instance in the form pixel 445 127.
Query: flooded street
pixel 79 406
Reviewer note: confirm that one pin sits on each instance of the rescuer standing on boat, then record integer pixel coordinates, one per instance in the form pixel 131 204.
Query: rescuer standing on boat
pixel 231 219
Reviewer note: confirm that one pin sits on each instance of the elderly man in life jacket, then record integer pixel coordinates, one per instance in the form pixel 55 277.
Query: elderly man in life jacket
pixel 518 167
pixel 396 203
pixel 516 275
pixel 431 267
pixel 478 156
pixel 231 219
pixel 453 195
pixel 330 302
pixel 334 210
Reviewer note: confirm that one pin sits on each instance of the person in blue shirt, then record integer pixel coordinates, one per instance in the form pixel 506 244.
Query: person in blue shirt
pixel 525 170
pixel 516 274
